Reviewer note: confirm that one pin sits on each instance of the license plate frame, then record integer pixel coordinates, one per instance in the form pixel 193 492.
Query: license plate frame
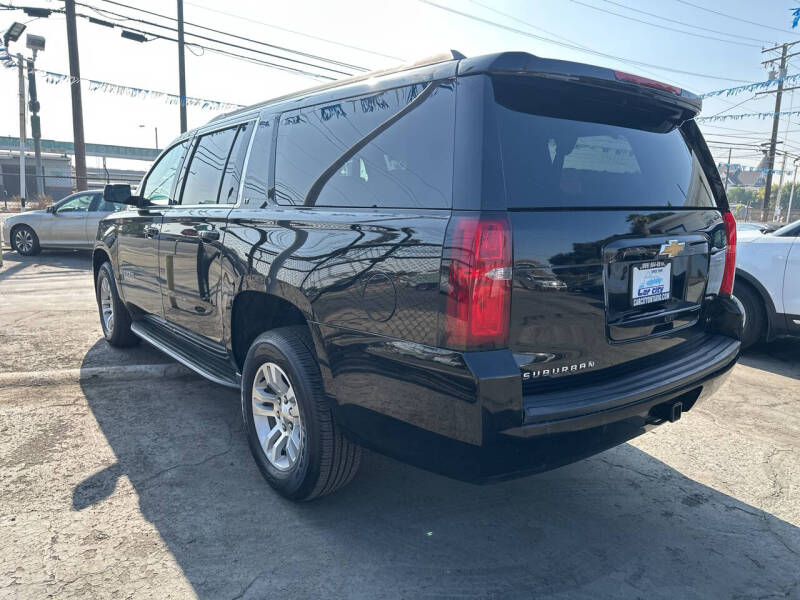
pixel 651 282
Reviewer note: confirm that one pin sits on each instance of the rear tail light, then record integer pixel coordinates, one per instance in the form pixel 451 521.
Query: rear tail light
pixel 478 282
pixel 623 76
pixel 726 287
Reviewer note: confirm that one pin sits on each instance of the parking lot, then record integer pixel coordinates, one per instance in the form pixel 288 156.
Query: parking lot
pixel 125 476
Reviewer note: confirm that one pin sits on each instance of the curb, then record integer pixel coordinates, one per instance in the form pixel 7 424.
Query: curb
pixel 88 374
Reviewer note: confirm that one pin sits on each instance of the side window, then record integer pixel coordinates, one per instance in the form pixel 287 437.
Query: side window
pixel 229 190
pixel 391 149
pixel 205 168
pixel 256 181
pixel 103 206
pixel 77 204
pixel 158 185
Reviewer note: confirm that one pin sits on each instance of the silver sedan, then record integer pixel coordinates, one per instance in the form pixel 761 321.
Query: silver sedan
pixel 69 223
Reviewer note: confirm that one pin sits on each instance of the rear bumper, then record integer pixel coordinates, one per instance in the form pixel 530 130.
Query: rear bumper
pixel 465 415
pixel 623 397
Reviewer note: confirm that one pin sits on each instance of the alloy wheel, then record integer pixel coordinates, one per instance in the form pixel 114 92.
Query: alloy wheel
pixel 106 305
pixel 23 240
pixel 276 416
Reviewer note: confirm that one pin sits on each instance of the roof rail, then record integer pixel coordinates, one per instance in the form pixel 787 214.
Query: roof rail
pixel 423 62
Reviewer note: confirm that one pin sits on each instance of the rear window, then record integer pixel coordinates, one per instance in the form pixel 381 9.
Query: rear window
pixel 552 161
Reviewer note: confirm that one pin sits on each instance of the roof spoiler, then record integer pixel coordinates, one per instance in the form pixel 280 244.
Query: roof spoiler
pixel 523 63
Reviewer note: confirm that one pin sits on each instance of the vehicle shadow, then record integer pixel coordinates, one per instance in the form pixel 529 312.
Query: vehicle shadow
pixel 619 525
pixel 14 263
pixel 781 356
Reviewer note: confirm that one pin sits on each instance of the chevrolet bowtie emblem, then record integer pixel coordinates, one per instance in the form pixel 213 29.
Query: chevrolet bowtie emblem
pixel 672 249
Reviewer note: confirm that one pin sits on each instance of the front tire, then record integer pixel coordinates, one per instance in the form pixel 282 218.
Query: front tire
pixel 290 428
pixel 25 241
pixel 755 318
pixel 114 316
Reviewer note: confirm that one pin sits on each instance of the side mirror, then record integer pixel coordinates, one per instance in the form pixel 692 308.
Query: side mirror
pixel 120 193
pixel 51 209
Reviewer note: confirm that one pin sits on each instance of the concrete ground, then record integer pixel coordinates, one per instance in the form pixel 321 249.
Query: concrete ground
pixel 142 486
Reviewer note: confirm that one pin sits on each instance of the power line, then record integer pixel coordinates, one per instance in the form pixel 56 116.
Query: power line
pixel 574 46
pixel 665 27
pixel 218 41
pixel 282 67
pixel 722 14
pixel 733 106
pixel 231 54
pixel 644 12
pixel 300 33
pixel 561 37
pixel 233 35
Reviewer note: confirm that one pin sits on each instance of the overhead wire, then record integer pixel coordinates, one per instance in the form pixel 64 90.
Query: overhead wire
pixel 295 32
pixel 561 37
pixel 722 14
pixel 218 41
pixel 574 46
pixel 227 33
pixel 665 27
pixel 644 12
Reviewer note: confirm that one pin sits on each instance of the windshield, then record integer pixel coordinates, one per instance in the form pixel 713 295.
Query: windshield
pixel 790 230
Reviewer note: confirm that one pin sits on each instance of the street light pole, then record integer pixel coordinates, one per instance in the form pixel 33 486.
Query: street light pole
pixel 22 134
pixel 36 127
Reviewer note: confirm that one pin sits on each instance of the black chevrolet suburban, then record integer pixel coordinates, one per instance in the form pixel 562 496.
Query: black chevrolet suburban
pixel 486 267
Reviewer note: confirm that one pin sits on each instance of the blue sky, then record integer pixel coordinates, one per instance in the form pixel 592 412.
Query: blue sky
pixel 406 29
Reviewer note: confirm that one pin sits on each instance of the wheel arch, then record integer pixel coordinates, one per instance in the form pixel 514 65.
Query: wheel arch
pixel 766 299
pixel 254 312
pixel 99 256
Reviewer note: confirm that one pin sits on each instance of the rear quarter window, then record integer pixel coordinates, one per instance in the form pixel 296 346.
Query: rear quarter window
pixel 389 149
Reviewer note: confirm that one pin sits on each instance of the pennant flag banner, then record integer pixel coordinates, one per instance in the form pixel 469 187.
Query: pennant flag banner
pixel 751 87
pixel 5 58
pixel 134 92
pixel 122 90
pixel 751 169
pixel 739 117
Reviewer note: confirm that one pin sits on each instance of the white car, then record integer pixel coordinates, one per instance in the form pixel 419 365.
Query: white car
pixel 69 223
pixel 768 283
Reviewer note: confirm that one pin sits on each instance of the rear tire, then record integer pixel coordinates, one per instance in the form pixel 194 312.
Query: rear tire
pixel 114 316
pixel 25 241
pixel 281 366
pixel 755 317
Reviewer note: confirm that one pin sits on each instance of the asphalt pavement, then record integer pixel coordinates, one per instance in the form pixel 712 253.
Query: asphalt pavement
pixel 139 484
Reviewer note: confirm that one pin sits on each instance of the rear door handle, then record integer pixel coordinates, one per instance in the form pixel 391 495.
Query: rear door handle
pixel 150 231
pixel 210 235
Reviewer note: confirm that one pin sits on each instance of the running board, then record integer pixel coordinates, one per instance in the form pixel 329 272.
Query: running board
pixel 211 368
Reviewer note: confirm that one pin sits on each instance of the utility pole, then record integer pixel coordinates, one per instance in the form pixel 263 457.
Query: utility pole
pixel 780 189
pixel 181 68
pixel 728 172
pixel 81 182
pixel 22 135
pixel 784 48
pixel 791 194
pixel 36 126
